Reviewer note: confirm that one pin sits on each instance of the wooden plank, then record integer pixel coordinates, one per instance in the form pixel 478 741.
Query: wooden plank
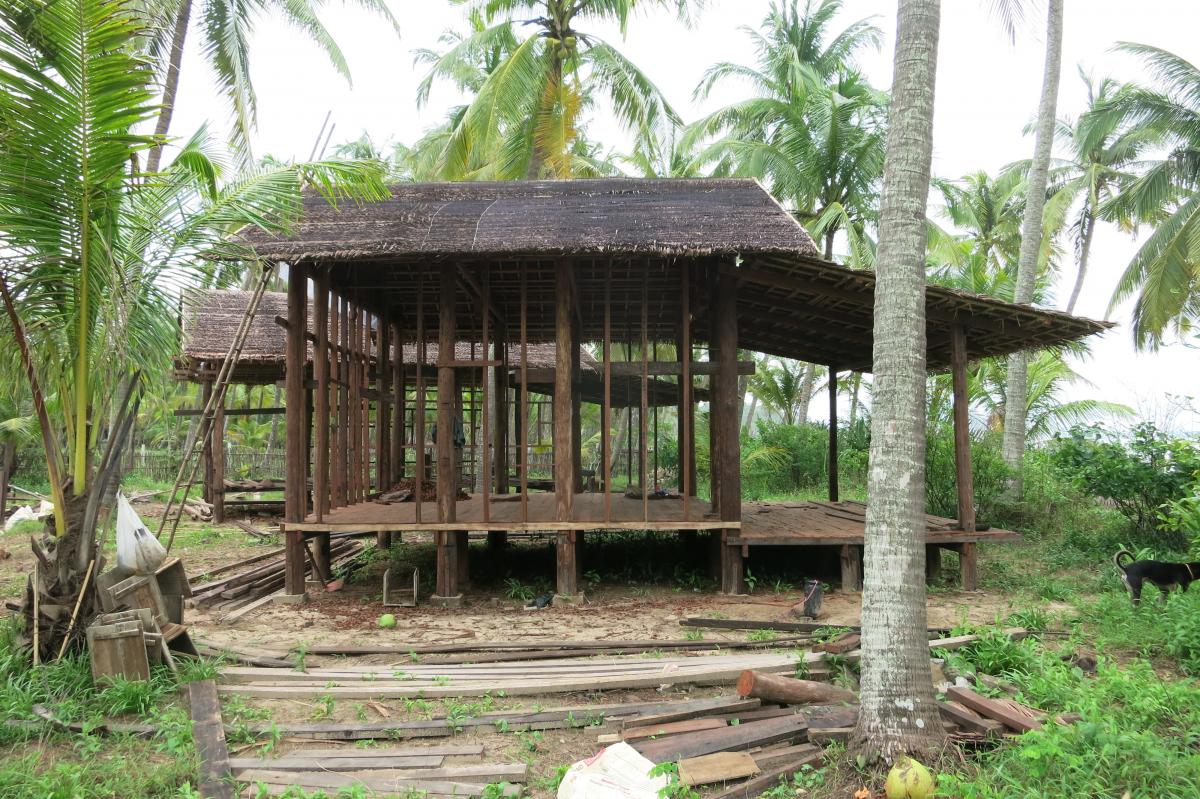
pixel 485 772
pixel 962 430
pixel 672 728
pixel 726 739
pixel 771 777
pixel 215 777
pixel 968 719
pixel 717 767
pixel 724 705
pixel 341 763
pixel 993 709
pixel 403 787
pixel 456 750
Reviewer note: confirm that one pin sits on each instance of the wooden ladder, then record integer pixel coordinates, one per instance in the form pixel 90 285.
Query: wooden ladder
pixel 189 464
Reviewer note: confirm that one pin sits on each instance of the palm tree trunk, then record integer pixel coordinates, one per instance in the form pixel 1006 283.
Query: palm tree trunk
pixel 748 427
pixel 898 711
pixel 829 234
pixel 170 83
pixel 1085 249
pixel 806 392
pixel 1031 239
pixel 855 385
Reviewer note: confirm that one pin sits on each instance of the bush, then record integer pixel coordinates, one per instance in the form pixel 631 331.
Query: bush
pixel 941 477
pixel 1139 477
pixel 784 458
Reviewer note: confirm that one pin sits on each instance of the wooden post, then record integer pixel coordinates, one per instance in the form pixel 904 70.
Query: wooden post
pixel 294 419
pixel 968 566
pixel 606 407
pixel 564 459
pixel 566 361
pixel 383 439
pixel 218 463
pixel 337 335
pixel 500 428
pixel 447 473
pixel 399 392
pixel 726 419
pixel 851 567
pixel 684 423
pixel 206 448
pixel 833 435
pixel 962 430
pixel 321 411
pixel 419 412
pixel 364 405
pixel 6 466
pixel 933 561
pixel 521 415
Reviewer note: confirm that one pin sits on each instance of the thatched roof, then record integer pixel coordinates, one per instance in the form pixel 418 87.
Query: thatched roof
pixel 629 239
pixel 610 216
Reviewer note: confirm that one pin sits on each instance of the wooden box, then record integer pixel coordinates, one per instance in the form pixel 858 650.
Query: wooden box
pixel 172 579
pixel 141 592
pixel 118 650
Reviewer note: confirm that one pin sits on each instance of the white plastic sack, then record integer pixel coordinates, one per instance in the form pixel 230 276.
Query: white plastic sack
pixel 137 548
pixel 617 772
pixel 21 514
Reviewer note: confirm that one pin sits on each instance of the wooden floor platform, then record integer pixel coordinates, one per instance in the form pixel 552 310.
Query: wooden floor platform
pixel 763 523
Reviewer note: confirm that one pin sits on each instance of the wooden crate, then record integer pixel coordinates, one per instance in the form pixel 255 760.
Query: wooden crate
pixel 118 650
pixel 141 591
pixel 172 578
pixel 154 645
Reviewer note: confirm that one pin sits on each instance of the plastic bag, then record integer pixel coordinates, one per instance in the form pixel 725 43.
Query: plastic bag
pixel 617 772
pixel 137 548
pixel 21 514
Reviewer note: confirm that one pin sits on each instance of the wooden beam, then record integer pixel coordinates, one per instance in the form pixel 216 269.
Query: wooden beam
pixel 962 430
pixel 339 394
pixel 234 411
pixel 296 450
pixel 215 775
pixel 833 435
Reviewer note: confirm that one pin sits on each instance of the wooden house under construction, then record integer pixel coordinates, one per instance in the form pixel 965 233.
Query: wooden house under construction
pixel 454 307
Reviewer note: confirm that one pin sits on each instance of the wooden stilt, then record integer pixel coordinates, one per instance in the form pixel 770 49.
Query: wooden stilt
pixel 833 435
pixel 566 551
pixel 851 567
pixel 933 561
pixel 297 448
pixel 968 566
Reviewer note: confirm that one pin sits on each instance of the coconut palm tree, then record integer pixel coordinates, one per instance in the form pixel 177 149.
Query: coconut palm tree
pixel 94 255
pixel 1031 234
pixel 813 130
pixel 1104 149
pixel 783 388
pixel 1164 276
pixel 225 27
pixel 527 110
pixel 1047 413
pixel 898 711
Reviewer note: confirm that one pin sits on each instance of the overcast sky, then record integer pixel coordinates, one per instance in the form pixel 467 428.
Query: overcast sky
pixel 987 91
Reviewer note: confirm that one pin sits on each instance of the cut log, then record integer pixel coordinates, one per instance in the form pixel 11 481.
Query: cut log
pixel 788 690
pixel 840 645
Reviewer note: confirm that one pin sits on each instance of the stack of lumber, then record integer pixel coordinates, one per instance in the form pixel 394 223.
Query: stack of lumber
pixel 255 579
pixel 198 509
pixel 528 678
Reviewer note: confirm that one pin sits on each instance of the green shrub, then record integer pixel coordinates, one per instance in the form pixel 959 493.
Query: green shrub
pixel 1139 476
pixel 989 474
pixel 783 458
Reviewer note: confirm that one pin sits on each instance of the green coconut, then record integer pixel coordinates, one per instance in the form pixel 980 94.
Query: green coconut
pixel 908 779
pixel 387 621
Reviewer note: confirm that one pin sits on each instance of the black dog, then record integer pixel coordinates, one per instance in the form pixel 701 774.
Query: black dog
pixel 1164 574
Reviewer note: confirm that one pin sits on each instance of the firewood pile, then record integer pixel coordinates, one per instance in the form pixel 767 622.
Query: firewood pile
pixel 405 491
